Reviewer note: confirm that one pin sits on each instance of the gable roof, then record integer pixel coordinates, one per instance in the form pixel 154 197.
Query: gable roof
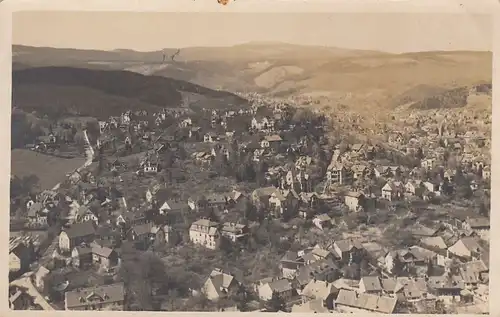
pixel 319 289
pixel 220 280
pixel 380 304
pixel 204 223
pixel 479 222
pixel 273 138
pixel 471 271
pixel 347 245
pixel 280 286
pixel 95 295
pixel 371 283
pixel 435 242
pixel 143 229
pixel 80 229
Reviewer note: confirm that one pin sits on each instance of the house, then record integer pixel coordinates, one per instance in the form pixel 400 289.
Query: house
pixel 279 201
pixel 143 233
pixel 309 199
pixel 319 254
pixel 323 291
pixel 474 273
pixel 446 286
pixel 436 243
pixel 272 141
pixel 419 230
pixel 428 163
pixel 410 258
pixel 37 214
pixel 210 137
pixel 486 173
pixel 370 285
pixel 21 255
pixel 322 221
pixel 75 235
pixel 311 306
pixel 303 162
pixel 186 123
pixel 96 298
pixel 103 256
pixel 347 249
pixel 352 301
pixel 130 218
pixel 411 288
pixel 84 214
pixel 374 250
pixel 382 171
pixel 320 270
pixel 219 284
pixel 264 123
pixel 478 224
pixel 432 188
pixel 467 249
pixel 354 201
pixel 359 171
pixel 81 256
pixel 290 263
pixel 169 206
pixel 235 232
pixel 414 188
pixel 392 190
pixel 338 174
pixel 205 233
pixel 108 235
pixel 217 201
pixel 282 288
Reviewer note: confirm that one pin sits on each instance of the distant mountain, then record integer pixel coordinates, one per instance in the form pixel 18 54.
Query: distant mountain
pixel 360 80
pixel 100 93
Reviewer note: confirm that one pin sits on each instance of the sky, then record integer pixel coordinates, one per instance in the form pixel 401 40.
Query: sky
pixel 151 31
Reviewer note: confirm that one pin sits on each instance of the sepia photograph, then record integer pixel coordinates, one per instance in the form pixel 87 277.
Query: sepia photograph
pixel 300 162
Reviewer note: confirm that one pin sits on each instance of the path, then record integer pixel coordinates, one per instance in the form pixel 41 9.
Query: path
pixel 25 280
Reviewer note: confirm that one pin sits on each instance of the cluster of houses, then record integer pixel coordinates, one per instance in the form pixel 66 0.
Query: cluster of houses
pixel 449 263
pixel 311 280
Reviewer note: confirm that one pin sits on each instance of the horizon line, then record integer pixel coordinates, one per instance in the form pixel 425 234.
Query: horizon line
pixel 263 43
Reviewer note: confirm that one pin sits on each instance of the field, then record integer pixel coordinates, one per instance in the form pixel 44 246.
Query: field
pixel 50 170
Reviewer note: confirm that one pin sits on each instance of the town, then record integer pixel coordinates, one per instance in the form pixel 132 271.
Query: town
pixel 276 207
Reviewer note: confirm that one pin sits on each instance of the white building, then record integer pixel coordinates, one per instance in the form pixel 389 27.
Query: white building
pixel 205 233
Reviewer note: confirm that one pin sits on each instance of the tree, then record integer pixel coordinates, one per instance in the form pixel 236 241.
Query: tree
pixel 275 304
pixel 397 265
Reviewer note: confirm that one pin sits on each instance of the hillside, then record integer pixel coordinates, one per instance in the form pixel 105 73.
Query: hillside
pixel 100 93
pixel 360 80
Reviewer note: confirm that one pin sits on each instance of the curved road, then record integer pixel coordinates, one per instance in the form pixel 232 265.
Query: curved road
pixel 25 280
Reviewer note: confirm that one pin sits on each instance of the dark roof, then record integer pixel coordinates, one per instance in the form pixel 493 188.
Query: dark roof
pixel 280 286
pixel 143 229
pixel 95 295
pixel 81 229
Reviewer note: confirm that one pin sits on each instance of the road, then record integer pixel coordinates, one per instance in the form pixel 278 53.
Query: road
pixel 25 282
